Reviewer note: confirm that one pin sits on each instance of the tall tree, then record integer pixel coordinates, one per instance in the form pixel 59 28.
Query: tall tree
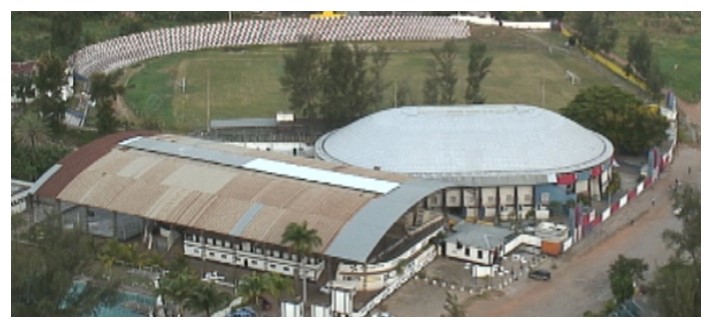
pixel 430 89
pixel 623 274
pixel 251 288
pixel 447 76
pixel 43 273
pixel 104 90
pixel 49 81
pixel 278 285
pixel 206 297
pixel 655 80
pixel 596 30
pixel 676 288
pixel 65 32
pixel 303 241
pixel 452 306
pixel 178 286
pixel 477 70
pixel 379 59
pixel 301 79
pixel 639 53
pixel 345 86
pixel 619 116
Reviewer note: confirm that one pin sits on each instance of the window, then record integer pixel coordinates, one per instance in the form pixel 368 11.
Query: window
pixel 453 199
pixel 434 199
pixel 224 256
pixel 287 269
pixel 196 250
pixel 254 262
pixel 467 252
pixel 228 244
pixel 212 254
pixel 218 243
pixel 490 200
pixel 459 245
pixel 479 254
pixel 527 198
pixel 272 265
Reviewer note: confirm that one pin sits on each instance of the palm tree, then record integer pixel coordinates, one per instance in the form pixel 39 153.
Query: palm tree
pixel 302 241
pixel 30 130
pixel 178 286
pixel 251 288
pixel 206 297
pixel 278 285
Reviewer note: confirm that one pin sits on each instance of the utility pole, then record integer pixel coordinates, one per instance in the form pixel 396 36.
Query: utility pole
pixel 208 101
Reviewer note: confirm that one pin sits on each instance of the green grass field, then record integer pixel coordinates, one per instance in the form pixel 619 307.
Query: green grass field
pixel 246 83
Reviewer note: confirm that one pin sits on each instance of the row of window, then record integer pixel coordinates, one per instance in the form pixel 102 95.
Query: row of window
pixel 434 199
pixel 248 247
pixel 238 260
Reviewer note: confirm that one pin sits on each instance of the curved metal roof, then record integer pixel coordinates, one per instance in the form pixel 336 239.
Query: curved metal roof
pixel 518 143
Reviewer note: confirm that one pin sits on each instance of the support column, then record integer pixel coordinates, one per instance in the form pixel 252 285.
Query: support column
pixel 115 224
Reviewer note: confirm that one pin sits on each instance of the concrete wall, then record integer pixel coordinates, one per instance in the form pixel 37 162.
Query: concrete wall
pixel 451 250
pixel 453 197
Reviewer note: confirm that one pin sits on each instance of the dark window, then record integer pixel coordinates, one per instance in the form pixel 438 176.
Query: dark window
pixel 479 254
pixel 212 254
pixel 459 245
pixel 254 262
pixel 467 252
pixel 272 265
pixel 286 269
pixel 224 256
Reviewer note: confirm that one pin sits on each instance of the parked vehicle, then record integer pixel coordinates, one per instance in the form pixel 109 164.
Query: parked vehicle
pixel 539 275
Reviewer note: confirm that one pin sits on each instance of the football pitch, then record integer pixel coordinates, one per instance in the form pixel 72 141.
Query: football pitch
pixel 244 82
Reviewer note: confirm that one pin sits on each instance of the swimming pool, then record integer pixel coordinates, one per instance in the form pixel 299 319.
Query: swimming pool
pixel 128 304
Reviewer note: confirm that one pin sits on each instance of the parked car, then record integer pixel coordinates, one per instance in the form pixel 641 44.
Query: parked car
pixel 539 275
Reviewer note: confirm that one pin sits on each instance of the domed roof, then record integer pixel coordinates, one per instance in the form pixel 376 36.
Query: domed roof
pixel 466 141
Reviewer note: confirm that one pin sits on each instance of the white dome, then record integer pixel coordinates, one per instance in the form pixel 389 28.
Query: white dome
pixel 466 141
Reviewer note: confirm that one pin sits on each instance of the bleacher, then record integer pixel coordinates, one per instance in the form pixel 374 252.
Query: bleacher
pixel 126 50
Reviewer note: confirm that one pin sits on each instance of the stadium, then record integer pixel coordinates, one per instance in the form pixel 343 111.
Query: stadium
pixel 504 159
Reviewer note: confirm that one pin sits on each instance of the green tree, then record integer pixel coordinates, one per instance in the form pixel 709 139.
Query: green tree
pixel 676 287
pixel 345 87
pixel 379 59
pixel 477 70
pixel 303 241
pixel 44 269
pixel 452 306
pixel 104 90
pixel 178 286
pixel 250 288
pixel 30 130
pixel 206 297
pixel 623 274
pixel 49 81
pixel 596 30
pixel 444 59
pixel 301 79
pixel 430 89
pixel 403 94
pixel 639 53
pixel 65 32
pixel 278 285
pixel 655 80
pixel 619 116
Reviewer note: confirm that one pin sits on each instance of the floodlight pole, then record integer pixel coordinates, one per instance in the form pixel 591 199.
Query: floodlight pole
pixel 207 122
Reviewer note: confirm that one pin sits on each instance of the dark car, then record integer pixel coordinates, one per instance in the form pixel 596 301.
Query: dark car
pixel 539 275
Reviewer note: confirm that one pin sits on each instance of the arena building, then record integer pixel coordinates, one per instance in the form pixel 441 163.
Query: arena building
pixel 504 159
pixel 230 205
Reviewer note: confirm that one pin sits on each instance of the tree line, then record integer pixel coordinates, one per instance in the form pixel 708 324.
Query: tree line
pixel 347 82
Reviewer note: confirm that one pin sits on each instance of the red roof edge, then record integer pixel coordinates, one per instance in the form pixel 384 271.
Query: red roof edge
pixel 78 160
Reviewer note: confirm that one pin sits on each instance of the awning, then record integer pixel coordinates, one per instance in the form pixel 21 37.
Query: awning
pixel 566 178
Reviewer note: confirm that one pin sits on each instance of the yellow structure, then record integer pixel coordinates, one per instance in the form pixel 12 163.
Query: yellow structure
pixel 327 15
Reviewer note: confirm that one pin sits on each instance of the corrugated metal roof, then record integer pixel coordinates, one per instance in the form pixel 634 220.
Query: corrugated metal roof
pixel 468 140
pixel 187 151
pixel 479 236
pixel 362 233
pixel 243 123
pixel 245 219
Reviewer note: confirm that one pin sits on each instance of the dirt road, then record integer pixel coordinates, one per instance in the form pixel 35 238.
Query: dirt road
pixel 579 282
